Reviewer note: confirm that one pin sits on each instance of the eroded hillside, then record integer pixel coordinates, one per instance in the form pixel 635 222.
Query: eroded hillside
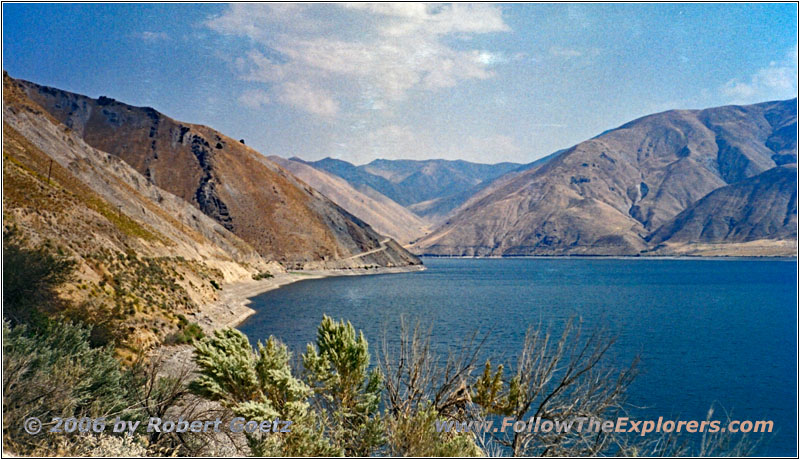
pixel 282 218
pixel 607 195
pixel 146 258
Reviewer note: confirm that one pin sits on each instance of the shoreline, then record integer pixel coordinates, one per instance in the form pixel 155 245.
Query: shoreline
pixel 756 249
pixel 231 309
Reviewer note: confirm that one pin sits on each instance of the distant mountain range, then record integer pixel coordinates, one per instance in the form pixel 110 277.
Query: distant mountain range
pixel 384 215
pixel 720 181
pixel 717 181
pixel 429 188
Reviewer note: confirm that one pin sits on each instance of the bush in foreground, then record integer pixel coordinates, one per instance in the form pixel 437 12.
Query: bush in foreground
pixel 339 403
pixel 53 371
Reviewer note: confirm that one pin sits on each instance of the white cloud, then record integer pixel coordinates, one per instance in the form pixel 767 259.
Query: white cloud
pixel 359 52
pixel 776 81
pixel 254 98
pixel 440 19
pixel 313 100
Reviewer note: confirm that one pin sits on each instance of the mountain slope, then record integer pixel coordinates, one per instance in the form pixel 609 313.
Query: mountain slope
pixel 606 195
pixel 144 256
pixel 760 207
pixel 279 216
pixel 384 215
pixel 430 188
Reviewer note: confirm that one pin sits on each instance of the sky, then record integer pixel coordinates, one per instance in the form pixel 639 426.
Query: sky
pixel 478 82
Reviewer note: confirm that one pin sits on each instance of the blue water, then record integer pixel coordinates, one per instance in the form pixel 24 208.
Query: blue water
pixel 719 332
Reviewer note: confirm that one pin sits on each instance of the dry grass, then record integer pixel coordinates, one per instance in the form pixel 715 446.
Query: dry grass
pixel 26 185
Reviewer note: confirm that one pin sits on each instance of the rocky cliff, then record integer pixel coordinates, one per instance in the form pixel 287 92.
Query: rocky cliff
pixel 282 218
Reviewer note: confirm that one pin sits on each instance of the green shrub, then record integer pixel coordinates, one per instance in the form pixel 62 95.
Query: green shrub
pixel 52 370
pixel 347 393
pixel 31 277
pixel 187 333
pixel 262 275
pixel 415 435
pixel 259 385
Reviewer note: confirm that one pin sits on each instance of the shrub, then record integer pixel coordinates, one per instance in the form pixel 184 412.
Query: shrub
pixel 259 385
pixel 560 378
pixel 187 333
pixel 262 275
pixel 53 371
pixel 415 435
pixel 347 393
pixel 31 277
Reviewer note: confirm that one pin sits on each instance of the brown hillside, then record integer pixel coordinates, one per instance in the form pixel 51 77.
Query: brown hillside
pixel 757 208
pixel 606 195
pixel 380 212
pixel 145 258
pixel 282 218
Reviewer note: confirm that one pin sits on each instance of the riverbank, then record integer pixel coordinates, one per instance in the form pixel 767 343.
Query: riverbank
pixel 232 307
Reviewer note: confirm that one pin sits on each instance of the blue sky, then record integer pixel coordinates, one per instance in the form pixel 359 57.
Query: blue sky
pixel 480 82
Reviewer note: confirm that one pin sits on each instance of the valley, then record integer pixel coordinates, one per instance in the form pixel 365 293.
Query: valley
pixel 389 224
pixel 676 183
pixel 128 191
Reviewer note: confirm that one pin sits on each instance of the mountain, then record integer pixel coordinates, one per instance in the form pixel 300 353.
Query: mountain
pixel 282 218
pixel 145 257
pixel 429 188
pixel 607 195
pixel 381 213
pixel 760 207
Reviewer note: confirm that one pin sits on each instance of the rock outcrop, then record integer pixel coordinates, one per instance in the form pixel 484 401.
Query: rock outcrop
pixel 282 218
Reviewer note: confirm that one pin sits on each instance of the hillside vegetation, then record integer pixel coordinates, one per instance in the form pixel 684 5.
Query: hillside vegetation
pixel 143 256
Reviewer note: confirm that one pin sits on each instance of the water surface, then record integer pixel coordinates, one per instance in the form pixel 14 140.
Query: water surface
pixel 709 331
